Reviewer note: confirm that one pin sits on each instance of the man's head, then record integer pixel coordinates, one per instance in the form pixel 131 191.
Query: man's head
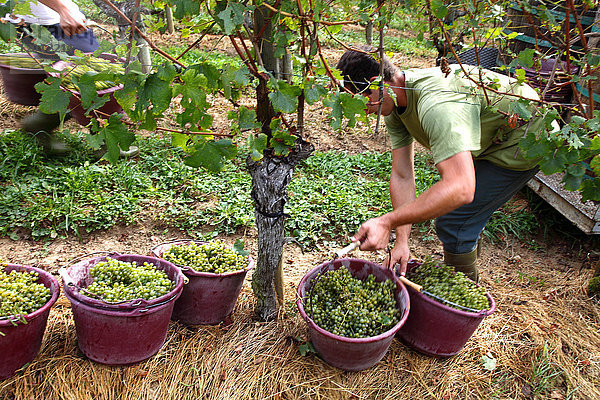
pixel 359 68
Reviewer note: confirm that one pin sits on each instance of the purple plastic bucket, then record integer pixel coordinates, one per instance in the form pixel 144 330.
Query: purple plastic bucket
pixel 208 298
pixel 560 91
pixel 19 83
pixel 123 333
pixel 352 354
pixel 75 107
pixel 435 329
pixel 20 342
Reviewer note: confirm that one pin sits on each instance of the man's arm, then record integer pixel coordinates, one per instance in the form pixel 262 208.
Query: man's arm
pixel 402 191
pixel 457 187
pixel 69 24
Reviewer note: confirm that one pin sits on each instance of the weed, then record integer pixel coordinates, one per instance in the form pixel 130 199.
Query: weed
pixel 510 219
pixel 545 373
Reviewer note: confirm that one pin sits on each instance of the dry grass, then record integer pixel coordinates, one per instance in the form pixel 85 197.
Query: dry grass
pixel 544 335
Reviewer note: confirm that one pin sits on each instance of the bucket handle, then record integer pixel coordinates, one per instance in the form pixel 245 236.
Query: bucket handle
pixel 184 268
pixel 62 271
pixel 108 253
pixel 181 267
pixel 419 289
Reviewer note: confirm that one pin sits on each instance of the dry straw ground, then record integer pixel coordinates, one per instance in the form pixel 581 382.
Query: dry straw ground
pixel 544 335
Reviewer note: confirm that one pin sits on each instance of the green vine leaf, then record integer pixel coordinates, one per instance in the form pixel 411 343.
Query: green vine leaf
pixel 524 59
pixel 314 92
pixel 211 154
pixel 245 119
pixel 238 247
pixel 590 189
pixel 282 142
pixel 521 108
pixel 89 96
pixel 54 99
pixel 345 105
pixel 284 96
pixel 534 147
pixel 552 165
pixel 156 93
pixel 7 30
pixel 116 136
pixel 572 182
pixel 439 9
pixel 183 8
pixel 231 17
pixel 595 164
pixel 257 145
pixel 306 348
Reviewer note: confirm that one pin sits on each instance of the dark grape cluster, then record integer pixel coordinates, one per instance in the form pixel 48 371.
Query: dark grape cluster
pixel 115 281
pixel 212 257
pixel 20 294
pixel 350 307
pixel 442 281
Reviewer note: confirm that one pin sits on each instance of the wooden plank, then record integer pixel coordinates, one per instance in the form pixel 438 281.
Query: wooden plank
pixel 586 216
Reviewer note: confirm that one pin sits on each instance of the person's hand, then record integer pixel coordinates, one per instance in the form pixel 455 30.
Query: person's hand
pixel 373 234
pixel 399 255
pixel 70 25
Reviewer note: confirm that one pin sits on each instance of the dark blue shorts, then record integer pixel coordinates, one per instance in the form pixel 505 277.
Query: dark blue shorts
pixel 460 229
pixel 85 41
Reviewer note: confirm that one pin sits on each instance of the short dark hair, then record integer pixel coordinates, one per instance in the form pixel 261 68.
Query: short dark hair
pixel 358 67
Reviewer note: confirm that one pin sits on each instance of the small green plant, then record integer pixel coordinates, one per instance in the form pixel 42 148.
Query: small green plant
pixel 510 220
pixel 545 373
pixel 531 279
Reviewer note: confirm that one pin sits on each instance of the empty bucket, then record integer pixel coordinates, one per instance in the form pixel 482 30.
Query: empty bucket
pixel 120 333
pixel 19 83
pixel 352 354
pixel 20 341
pixel 208 298
pixel 436 329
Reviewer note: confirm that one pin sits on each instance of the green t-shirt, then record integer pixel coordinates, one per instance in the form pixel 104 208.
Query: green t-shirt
pixel 451 114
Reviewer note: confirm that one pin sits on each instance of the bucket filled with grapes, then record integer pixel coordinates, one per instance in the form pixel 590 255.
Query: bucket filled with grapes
pixel 216 274
pixel 121 305
pixel 26 295
pixel 20 72
pixel 103 67
pixel 446 312
pixel 353 309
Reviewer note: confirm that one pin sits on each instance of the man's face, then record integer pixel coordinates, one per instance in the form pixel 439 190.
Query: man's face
pixel 388 103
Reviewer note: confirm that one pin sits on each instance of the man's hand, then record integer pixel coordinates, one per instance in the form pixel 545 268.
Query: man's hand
pixel 70 25
pixel 373 234
pixel 400 254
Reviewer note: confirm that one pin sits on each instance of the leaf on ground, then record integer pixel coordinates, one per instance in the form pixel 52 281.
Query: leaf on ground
pixel 306 348
pixel 489 362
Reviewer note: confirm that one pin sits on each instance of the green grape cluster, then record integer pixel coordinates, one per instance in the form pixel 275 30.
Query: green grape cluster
pixel 20 294
pixel 442 281
pixel 93 65
pixel 350 307
pixel 115 281
pixel 212 257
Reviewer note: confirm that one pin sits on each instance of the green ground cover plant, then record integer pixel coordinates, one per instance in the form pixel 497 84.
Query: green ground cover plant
pixel 330 196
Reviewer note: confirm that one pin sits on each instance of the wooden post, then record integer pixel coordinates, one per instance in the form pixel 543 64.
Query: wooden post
pixel 169 18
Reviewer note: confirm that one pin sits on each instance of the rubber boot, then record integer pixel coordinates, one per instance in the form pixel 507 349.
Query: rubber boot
pixel 465 263
pixel 40 125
